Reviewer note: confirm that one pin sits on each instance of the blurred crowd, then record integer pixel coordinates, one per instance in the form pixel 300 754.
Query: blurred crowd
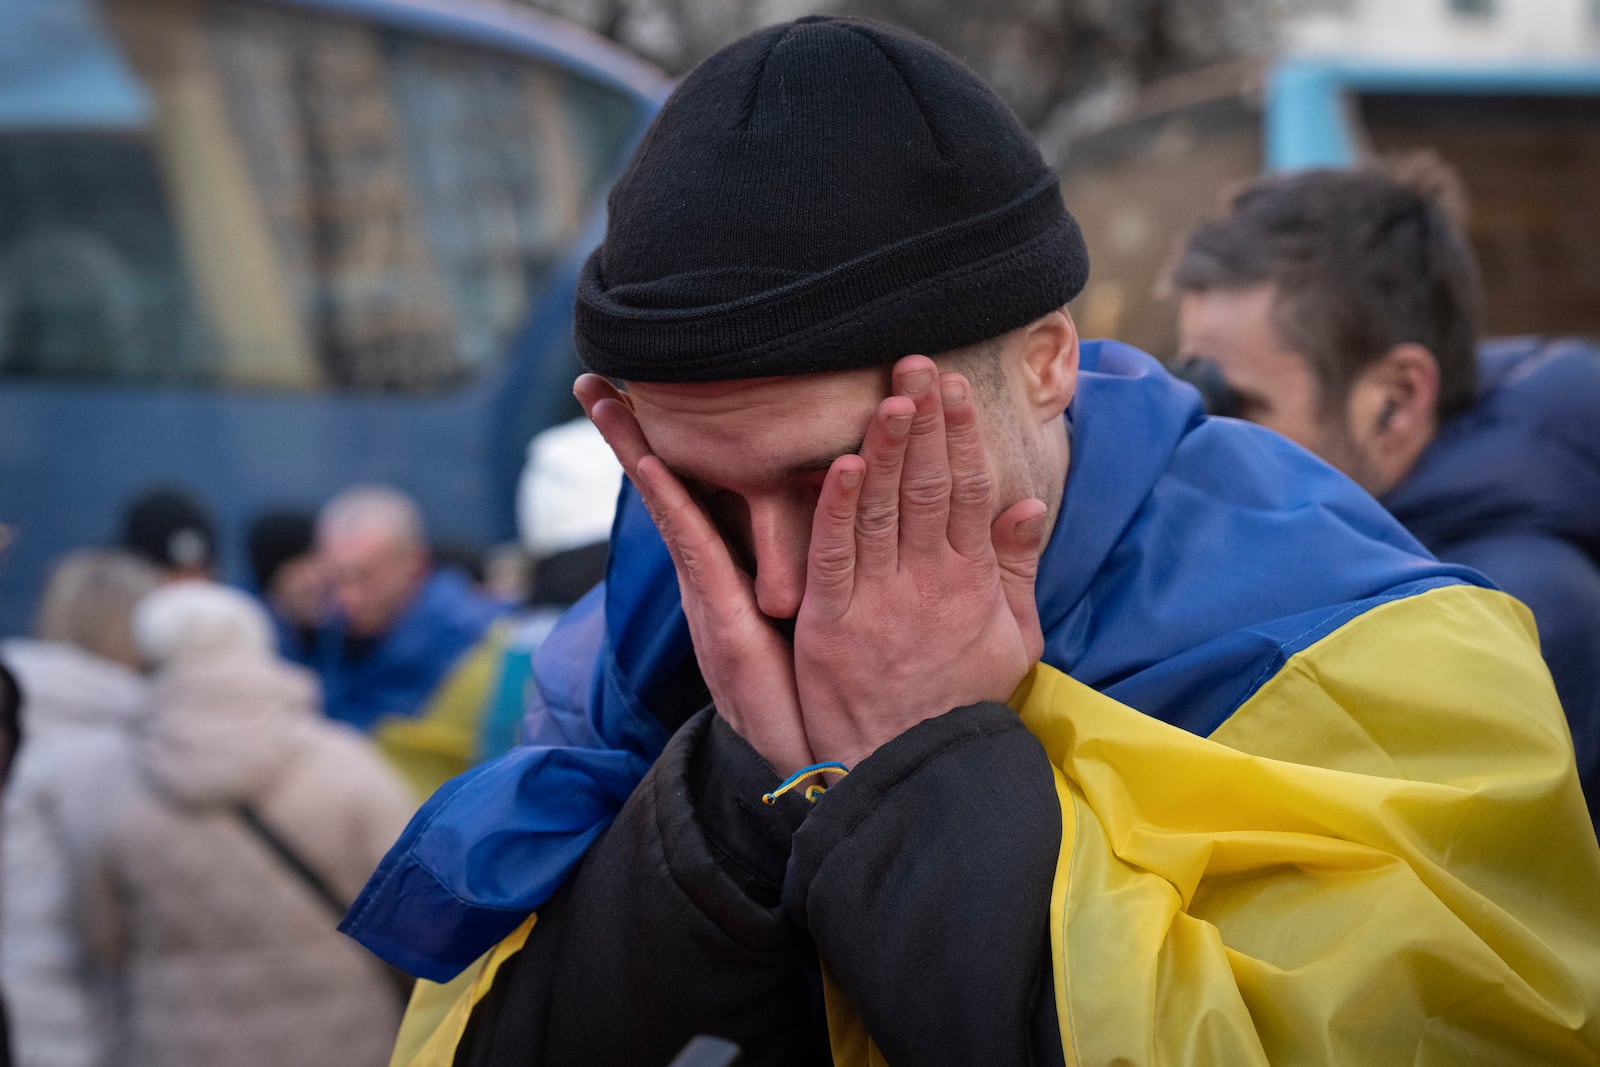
pixel 211 773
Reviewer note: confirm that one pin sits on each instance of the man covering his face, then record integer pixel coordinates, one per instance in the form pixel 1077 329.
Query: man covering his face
pixel 958 693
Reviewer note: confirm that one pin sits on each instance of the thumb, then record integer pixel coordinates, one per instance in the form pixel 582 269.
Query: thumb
pixel 1018 537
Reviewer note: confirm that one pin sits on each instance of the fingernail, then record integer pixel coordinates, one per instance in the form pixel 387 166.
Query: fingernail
pixel 954 391
pixel 899 424
pixel 917 382
pixel 850 478
pixel 1031 529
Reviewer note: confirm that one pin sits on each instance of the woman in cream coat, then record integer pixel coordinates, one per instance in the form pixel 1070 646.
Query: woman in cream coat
pixel 211 946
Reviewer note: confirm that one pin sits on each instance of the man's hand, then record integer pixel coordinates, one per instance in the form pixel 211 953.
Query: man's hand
pixel 747 664
pixel 915 602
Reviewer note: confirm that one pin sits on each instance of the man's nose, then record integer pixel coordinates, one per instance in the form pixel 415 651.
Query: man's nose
pixel 780 538
pixel 346 598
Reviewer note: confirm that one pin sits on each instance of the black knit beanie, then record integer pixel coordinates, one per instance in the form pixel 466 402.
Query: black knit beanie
pixel 171 528
pixel 822 195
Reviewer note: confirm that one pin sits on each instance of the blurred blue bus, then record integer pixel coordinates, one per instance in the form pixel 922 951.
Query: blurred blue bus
pixel 264 249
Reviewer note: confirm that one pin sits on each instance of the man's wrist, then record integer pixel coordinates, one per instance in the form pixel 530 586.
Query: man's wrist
pixel 727 781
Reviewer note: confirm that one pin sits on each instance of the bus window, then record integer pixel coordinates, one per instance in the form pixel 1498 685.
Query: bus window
pixel 293 200
pixel 92 280
pixel 417 190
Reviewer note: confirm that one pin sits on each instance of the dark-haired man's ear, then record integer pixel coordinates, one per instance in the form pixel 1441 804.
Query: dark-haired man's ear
pixel 1050 357
pixel 1392 412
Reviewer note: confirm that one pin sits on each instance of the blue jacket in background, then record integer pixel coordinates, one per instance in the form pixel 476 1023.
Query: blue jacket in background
pixel 396 675
pixel 1512 487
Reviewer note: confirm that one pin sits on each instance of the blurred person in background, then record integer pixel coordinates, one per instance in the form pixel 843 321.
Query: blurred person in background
pixel 173 529
pixel 402 658
pixel 400 624
pixel 210 851
pixel 288 578
pixel 83 693
pixel 10 739
pixel 10 722
pixel 1341 308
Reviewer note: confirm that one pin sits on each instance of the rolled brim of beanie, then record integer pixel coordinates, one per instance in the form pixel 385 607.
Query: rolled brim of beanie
pixel 933 293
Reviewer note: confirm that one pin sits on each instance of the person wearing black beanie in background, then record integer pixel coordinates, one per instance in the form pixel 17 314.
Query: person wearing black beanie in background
pixel 888 740
pixel 173 529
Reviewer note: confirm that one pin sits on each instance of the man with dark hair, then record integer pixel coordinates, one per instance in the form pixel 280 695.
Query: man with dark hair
pixel 888 740
pixel 1340 308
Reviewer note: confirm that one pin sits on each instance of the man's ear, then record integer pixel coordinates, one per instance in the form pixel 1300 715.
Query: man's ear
pixel 1393 401
pixel 1391 412
pixel 1050 362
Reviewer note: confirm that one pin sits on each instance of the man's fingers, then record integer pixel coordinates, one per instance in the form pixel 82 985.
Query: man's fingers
pixel 705 566
pixel 590 387
pixel 831 565
pixel 877 519
pixel 971 494
pixel 1018 537
pixel 925 481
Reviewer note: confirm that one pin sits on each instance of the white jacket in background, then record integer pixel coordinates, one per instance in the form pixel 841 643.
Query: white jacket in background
pixel 76 709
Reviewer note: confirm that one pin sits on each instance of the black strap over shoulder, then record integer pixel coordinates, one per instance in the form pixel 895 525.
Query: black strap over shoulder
pixel 402 982
pixel 290 858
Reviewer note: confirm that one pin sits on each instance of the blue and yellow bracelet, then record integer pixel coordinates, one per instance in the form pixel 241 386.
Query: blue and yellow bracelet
pixel 815 789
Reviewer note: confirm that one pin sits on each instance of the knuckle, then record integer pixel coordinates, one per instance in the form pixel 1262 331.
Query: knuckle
pixel 874 519
pixel 885 463
pixel 831 561
pixel 970 492
pixel 925 492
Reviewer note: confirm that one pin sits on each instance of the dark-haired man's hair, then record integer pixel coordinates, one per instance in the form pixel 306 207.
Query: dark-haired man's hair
pixel 1362 260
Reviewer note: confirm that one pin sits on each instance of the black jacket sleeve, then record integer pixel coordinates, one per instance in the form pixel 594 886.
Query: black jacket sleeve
pixel 666 930
pixel 924 878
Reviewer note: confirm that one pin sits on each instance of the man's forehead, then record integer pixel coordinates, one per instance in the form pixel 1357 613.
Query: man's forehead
pixel 757 430
pixel 360 539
